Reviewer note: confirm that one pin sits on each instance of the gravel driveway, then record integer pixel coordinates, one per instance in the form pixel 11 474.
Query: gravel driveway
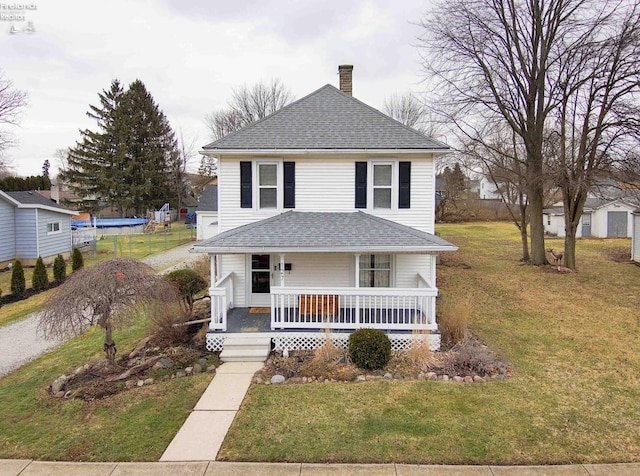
pixel 20 342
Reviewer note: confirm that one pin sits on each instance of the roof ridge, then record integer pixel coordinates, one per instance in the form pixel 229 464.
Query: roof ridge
pixel 259 121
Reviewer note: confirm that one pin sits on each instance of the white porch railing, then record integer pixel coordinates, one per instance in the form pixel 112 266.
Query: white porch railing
pixel 353 308
pixel 221 301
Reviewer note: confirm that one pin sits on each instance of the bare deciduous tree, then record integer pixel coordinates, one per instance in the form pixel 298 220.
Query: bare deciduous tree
pixel 12 102
pixel 490 60
pixel 405 108
pixel 595 127
pixel 247 105
pixel 103 294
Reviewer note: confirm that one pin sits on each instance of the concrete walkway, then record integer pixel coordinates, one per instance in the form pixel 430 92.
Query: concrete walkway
pixel 212 468
pixel 202 434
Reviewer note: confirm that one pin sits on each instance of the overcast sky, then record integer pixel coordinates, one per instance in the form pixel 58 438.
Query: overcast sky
pixel 191 53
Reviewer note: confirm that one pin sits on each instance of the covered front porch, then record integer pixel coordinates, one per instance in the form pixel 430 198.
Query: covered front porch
pixel 329 273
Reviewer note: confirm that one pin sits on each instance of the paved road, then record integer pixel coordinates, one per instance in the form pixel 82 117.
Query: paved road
pixel 20 342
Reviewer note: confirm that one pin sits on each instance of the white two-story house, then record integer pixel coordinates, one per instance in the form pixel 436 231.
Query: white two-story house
pixel 325 225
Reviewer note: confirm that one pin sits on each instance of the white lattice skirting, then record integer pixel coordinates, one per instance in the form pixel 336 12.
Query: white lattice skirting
pixel 313 340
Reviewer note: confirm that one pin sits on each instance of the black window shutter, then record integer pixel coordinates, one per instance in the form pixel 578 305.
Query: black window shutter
pixel 404 185
pixel 361 185
pixel 289 184
pixel 246 187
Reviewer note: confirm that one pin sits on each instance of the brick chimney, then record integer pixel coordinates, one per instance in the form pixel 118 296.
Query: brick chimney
pixel 346 84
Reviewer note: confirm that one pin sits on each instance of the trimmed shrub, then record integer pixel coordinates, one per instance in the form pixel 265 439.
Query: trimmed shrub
pixel 77 262
pixel 369 348
pixel 18 286
pixel 189 283
pixel 39 279
pixel 59 269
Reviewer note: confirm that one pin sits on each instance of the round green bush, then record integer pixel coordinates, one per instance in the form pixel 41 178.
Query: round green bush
pixel 189 283
pixel 18 285
pixel 77 262
pixel 369 348
pixel 59 269
pixel 39 279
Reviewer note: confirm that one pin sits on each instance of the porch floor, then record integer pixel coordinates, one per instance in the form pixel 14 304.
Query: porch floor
pixel 241 320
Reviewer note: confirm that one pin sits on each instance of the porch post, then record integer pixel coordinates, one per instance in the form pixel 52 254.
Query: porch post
pixel 213 269
pixel 282 270
pixel 357 285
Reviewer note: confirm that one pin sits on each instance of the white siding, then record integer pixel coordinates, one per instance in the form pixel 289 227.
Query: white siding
pixel 407 268
pixel 7 231
pixel 327 184
pixel 235 264
pixel 600 219
pixel 322 270
pixel 206 225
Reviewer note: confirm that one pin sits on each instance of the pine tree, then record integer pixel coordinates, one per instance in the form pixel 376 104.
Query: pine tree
pixel 39 279
pixel 59 269
pixel 131 161
pixel 18 286
pixel 77 262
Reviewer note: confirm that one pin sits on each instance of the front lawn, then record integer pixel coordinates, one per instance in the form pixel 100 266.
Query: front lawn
pixel 574 396
pixel 134 425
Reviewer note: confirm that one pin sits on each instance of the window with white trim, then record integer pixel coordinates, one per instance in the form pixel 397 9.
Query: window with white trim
pixel 375 271
pixel 382 185
pixel 267 185
pixel 53 227
pixel 586 219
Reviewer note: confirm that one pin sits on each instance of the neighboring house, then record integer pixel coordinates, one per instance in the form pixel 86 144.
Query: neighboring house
pixel 635 236
pixel 207 213
pixel 32 226
pixel 601 218
pixel 326 223
pixel 488 189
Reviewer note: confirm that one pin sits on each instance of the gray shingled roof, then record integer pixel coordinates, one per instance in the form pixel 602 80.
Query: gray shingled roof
pixel 326 119
pixel 315 231
pixel 34 198
pixel 590 204
pixel 208 199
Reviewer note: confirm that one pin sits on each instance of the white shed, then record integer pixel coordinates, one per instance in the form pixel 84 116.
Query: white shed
pixel 600 219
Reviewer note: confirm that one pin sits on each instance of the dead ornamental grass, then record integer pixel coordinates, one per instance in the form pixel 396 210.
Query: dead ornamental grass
pixel 573 397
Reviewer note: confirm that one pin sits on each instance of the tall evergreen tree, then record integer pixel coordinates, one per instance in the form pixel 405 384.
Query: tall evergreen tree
pixel 128 162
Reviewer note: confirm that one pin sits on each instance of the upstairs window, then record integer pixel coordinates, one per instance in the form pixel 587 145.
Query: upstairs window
pixel 268 185
pixel 382 185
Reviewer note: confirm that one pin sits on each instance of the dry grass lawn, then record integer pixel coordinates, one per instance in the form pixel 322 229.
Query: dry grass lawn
pixel 573 341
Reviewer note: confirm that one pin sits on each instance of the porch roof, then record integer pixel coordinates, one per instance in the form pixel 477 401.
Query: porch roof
pixel 306 232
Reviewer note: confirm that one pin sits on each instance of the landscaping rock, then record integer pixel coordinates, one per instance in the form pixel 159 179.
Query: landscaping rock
pixel 457 378
pixel 78 371
pixel 211 369
pixel 432 376
pixel 361 378
pixel 500 377
pixel 203 361
pixel 180 374
pixel 163 363
pixel 59 383
pixel 197 368
pixel 59 394
pixel 129 384
pixel 188 370
pixel 140 383
pixel 388 376
pixel 277 379
pixel 148 381
pixel 478 379
pixel 445 378
pixel 141 345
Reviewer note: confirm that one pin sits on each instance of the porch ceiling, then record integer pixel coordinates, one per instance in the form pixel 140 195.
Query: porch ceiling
pixel 312 232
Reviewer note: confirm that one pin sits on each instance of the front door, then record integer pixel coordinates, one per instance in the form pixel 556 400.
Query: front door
pixel 260 280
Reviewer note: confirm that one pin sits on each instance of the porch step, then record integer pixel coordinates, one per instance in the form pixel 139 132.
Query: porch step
pixel 238 349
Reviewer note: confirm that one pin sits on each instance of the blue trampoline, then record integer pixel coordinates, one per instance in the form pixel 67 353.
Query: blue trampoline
pixel 110 222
